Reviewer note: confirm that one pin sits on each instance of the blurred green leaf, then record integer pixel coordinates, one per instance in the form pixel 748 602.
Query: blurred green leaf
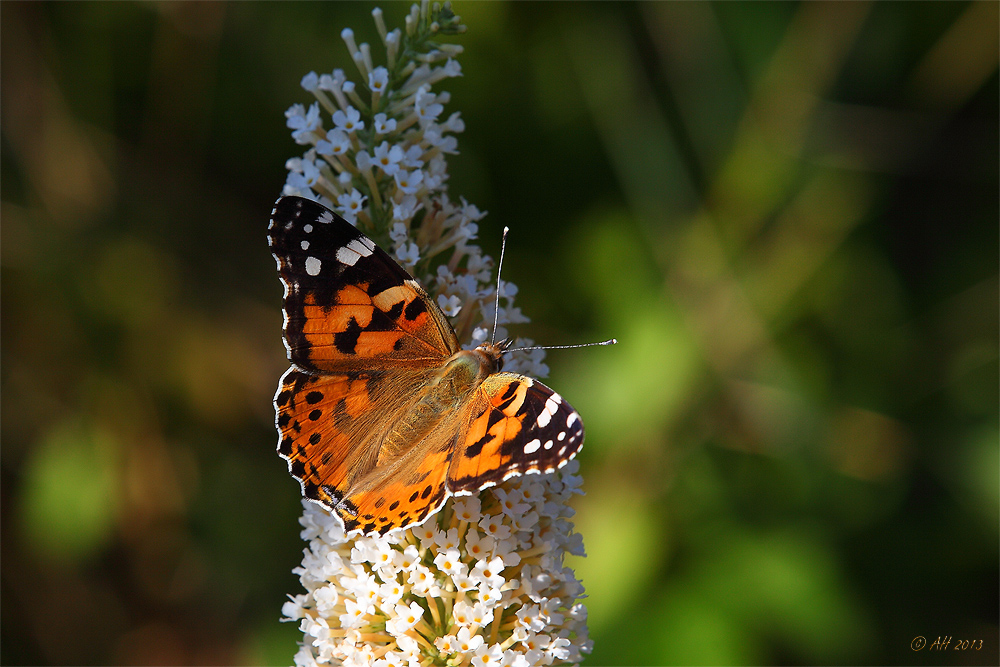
pixel 71 492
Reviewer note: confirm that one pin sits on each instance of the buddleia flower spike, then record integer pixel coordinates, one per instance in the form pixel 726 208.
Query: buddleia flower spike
pixel 384 321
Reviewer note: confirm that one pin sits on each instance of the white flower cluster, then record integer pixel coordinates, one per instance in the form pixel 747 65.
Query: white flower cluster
pixel 383 166
pixel 481 583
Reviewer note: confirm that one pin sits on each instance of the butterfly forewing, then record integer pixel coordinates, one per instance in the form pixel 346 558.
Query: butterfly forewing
pixel 346 301
pixel 518 426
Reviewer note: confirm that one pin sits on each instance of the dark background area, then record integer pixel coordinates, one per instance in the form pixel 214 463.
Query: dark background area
pixel 786 213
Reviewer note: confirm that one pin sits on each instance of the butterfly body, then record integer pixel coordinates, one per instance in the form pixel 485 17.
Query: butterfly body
pixel 382 415
pixel 445 390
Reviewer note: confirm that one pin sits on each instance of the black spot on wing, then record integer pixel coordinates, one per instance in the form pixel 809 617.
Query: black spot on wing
pixel 414 309
pixel 476 448
pixel 396 310
pixel 347 340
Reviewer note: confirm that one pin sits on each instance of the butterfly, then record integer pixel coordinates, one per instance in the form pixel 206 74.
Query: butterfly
pixel 382 415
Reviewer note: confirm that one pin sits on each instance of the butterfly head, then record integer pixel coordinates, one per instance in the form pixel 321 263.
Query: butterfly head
pixel 495 351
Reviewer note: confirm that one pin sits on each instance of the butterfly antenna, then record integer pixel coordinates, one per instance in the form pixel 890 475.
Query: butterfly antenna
pixel 496 313
pixel 610 341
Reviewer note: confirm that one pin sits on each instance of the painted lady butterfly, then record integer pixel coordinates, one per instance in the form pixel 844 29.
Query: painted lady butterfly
pixel 382 415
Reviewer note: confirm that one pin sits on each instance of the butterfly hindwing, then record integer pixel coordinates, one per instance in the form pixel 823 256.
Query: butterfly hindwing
pixel 347 303
pixel 315 415
pixel 403 491
pixel 517 425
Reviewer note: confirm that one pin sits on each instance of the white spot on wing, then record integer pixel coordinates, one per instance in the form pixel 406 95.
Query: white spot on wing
pixel 572 418
pixel 532 446
pixel 326 217
pixel 362 246
pixel 355 250
pixel 551 406
pixel 346 256
pixel 313 266
pixel 548 444
pixel 305 245
pixel 307 228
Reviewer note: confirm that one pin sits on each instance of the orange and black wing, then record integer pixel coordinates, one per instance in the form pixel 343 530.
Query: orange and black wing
pixel 317 418
pixel 516 425
pixel 329 426
pixel 401 492
pixel 348 305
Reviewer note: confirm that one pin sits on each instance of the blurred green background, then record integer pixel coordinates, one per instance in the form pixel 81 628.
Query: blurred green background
pixel 786 213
